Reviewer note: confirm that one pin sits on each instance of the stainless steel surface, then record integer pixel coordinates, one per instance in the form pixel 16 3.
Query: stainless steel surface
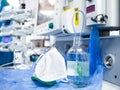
pixel 113 13
pixel 111 46
pixel 110 49
pixel 109 61
pixel 109 9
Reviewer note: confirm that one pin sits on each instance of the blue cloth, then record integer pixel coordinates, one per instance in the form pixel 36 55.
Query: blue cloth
pixel 94 49
pixel 21 80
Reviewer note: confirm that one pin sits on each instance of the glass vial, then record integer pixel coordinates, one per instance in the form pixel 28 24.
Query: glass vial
pixel 78 65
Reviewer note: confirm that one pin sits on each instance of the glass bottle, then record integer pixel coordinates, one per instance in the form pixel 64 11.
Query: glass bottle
pixel 78 64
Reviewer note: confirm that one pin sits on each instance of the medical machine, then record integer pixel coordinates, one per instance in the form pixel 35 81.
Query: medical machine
pixel 71 16
pixel 106 15
pixel 14 35
pixel 103 13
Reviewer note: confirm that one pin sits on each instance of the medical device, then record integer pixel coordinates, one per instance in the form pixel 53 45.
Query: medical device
pixel 106 15
pixel 104 12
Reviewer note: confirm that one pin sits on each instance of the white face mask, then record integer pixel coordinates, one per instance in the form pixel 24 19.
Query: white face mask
pixel 51 66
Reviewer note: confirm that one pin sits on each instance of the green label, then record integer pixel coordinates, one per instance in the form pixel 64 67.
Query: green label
pixel 83 69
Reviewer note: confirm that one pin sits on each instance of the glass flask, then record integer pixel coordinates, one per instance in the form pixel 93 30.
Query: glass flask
pixel 78 65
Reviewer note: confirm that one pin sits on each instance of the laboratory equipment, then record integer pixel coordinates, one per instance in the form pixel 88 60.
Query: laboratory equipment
pixel 3 3
pixel 6 57
pixel 21 26
pixel 96 14
pixel 67 17
pixel 78 65
pixel 59 4
pixel 6 39
pixel 18 58
pixel 105 13
pixel 78 57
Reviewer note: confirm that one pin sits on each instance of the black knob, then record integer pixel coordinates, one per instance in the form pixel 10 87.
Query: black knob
pixel 23 5
pixel 89 0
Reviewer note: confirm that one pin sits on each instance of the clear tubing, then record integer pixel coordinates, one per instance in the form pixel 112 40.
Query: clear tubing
pixel 77 37
pixel 78 63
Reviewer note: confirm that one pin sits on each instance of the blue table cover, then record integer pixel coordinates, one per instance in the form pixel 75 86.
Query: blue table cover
pixel 11 79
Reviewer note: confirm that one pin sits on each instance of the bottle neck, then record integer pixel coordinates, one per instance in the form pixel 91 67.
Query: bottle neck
pixel 77 40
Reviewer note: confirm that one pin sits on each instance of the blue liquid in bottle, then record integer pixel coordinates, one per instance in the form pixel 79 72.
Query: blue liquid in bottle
pixel 78 66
